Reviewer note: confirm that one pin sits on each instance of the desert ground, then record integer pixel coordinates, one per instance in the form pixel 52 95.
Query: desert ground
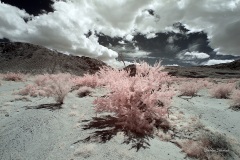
pixel 36 128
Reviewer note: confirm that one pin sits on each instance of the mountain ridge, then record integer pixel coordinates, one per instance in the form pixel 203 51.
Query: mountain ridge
pixel 35 59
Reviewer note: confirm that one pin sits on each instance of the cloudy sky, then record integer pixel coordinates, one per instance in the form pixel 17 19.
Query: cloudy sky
pixel 178 32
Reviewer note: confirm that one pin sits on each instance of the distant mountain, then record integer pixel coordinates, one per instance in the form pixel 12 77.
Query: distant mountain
pixel 235 65
pixel 29 58
pixel 34 59
pixel 224 70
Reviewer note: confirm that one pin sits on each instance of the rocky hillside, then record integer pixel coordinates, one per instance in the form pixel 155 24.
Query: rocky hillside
pixel 29 58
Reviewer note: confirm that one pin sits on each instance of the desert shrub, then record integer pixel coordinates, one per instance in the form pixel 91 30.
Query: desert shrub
pixel 13 77
pixel 56 86
pixel 190 88
pixel 87 80
pixel 84 91
pixel 139 102
pixel 210 145
pixel 237 86
pixel 30 89
pixel 204 83
pixel 215 144
pixel 192 148
pixel 235 98
pixel 222 90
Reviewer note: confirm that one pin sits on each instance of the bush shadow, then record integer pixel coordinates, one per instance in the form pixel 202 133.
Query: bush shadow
pixel 49 106
pixel 107 127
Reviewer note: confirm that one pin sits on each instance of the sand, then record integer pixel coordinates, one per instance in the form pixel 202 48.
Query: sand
pixel 31 132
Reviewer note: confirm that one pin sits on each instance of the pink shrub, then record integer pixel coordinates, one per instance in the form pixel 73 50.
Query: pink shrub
pixel 13 77
pixel 192 148
pixel 28 90
pixel 138 102
pixel 235 97
pixel 108 76
pixel 104 76
pixel 204 83
pixel 87 80
pixel 56 86
pixel 222 90
pixel 40 80
pixel 190 88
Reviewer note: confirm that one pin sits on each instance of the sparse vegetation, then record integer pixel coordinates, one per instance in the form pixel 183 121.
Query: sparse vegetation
pixel 87 80
pixel 222 90
pixel 211 146
pixel 56 86
pixel 215 144
pixel 190 88
pixel 235 98
pixel 13 76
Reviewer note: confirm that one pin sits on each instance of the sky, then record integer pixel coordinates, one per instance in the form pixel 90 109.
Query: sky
pixel 178 32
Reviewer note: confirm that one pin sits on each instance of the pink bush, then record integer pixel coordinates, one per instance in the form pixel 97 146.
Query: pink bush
pixel 190 88
pixel 13 77
pixel 204 83
pixel 87 80
pixel 28 90
pixel 56 86
pixel 222 90
pixel 138 102
pixel 40 80
pixel 100 78
pixel 235 97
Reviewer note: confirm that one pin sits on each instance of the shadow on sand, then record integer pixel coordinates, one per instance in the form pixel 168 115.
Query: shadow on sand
pixel 106 128
pixel 50 106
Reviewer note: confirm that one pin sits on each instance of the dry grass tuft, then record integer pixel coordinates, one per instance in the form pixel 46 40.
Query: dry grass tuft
pixel 222 91
pixel 13 77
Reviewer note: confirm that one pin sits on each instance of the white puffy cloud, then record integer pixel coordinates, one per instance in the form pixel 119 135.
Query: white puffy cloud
pixel 12 23
pixel 196 55
pixel 216 61
pixel 150 35
pixel 138 54
pixel 129 37
pixel 192 56
pixel 65 28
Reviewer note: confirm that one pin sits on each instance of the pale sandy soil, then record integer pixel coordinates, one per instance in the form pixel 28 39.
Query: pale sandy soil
pixel 28 131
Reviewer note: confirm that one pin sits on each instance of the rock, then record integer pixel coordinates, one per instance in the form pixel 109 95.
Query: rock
pixel 132 69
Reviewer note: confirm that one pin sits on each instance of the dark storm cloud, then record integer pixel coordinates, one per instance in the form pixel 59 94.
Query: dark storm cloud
pixel 32 7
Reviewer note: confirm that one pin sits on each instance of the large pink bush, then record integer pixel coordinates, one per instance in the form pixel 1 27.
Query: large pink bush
pixel 138 102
